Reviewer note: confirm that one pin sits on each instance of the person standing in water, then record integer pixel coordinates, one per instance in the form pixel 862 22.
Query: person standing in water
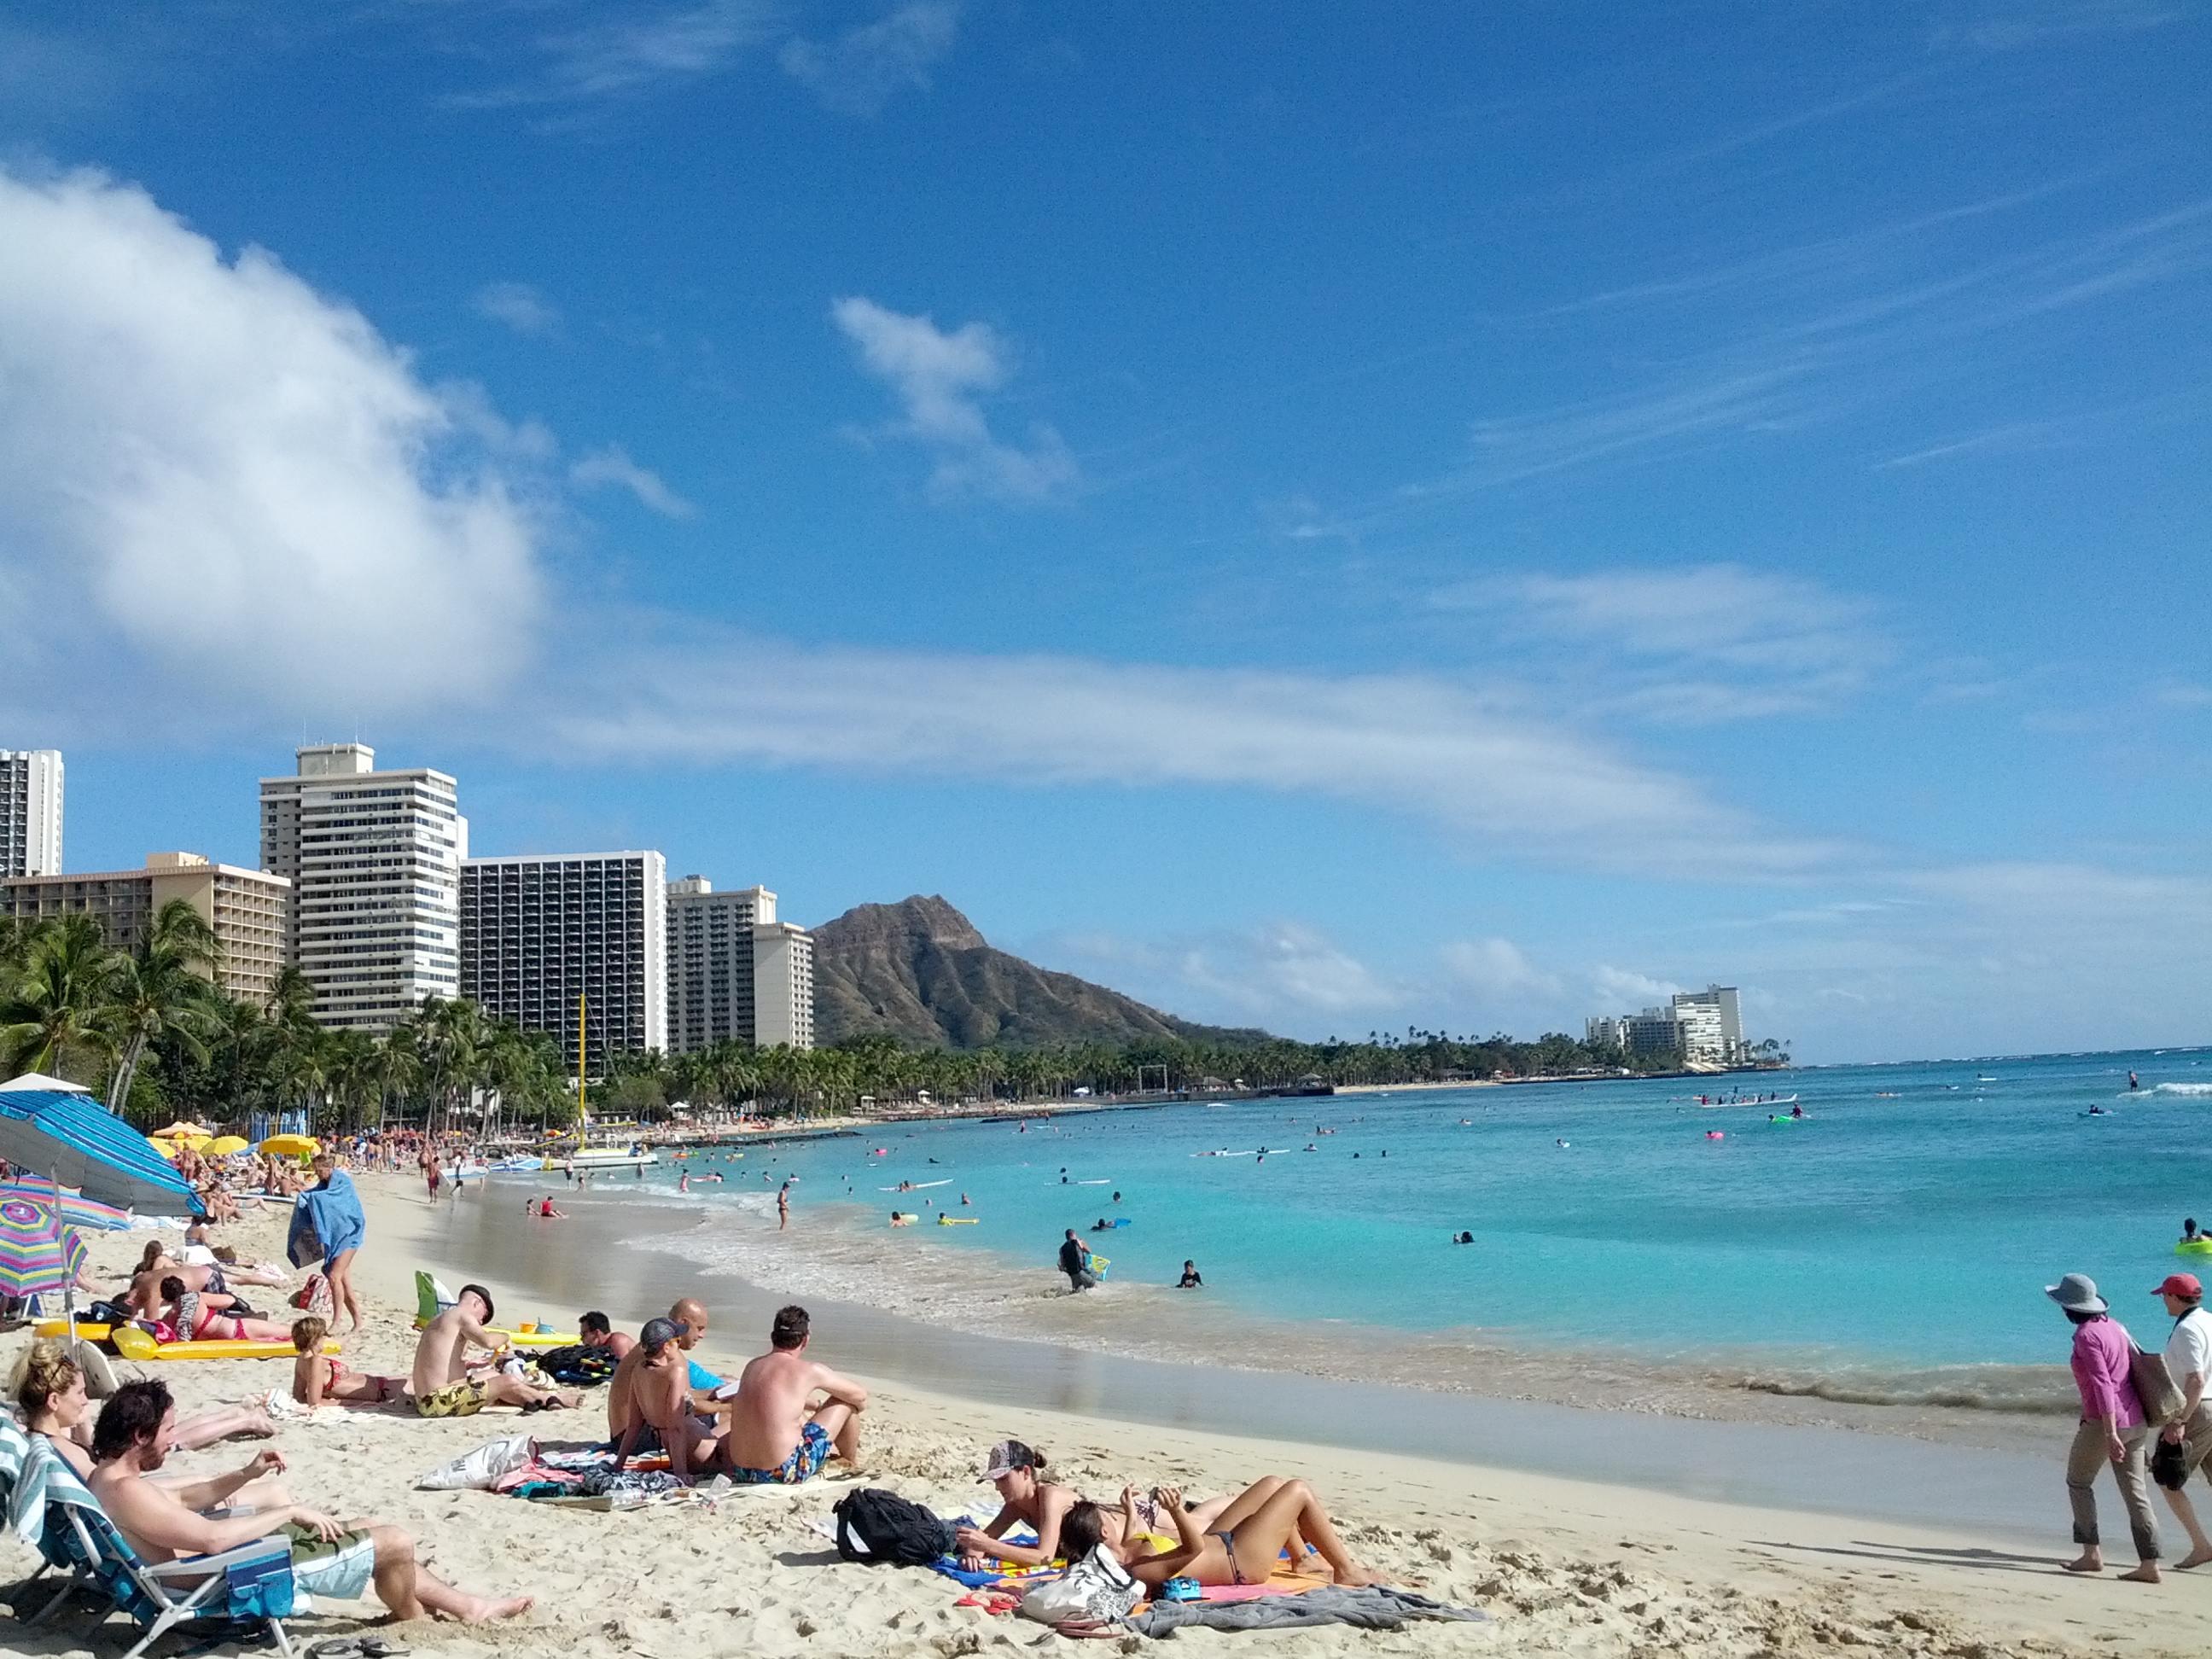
pixel 783 1207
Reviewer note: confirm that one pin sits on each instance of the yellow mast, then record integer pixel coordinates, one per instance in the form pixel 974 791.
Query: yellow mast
pixel 583 1110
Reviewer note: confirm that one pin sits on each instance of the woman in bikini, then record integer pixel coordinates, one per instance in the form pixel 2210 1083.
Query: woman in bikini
pixel 319 1378
pixel 198 1317
pixel 1243 1544
pixel 1025 1498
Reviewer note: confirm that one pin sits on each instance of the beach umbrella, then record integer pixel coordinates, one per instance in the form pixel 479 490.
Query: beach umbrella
pixel 182 1130
pixel 77 1209
pixel 224 1145
pixel 164 1148
pixel 70 1138
pixel 291 1145
pixel 32 1255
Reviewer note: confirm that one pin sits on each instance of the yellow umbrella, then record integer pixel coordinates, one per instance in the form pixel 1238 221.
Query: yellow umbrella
pixel 227 1145
pixel 163 1147
pixel 291 1145
pixel 179 1131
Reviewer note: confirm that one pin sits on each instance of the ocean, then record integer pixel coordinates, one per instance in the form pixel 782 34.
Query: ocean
pixel 1888 1250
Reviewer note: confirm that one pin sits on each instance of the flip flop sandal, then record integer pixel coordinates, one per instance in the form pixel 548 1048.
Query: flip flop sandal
pixel 375 1647
pixel 341 1647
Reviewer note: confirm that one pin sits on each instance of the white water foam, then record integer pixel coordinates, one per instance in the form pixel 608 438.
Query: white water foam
pixel 2191 1089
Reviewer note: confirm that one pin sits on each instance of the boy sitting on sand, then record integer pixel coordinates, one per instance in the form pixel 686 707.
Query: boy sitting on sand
pixel 319 1378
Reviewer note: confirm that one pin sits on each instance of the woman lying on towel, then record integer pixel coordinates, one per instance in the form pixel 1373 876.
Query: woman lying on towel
pixel 1244 1546
pixel 198 1317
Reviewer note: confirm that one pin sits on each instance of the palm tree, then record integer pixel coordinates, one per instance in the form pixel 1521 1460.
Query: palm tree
pixel 158 989
pixel 51 1013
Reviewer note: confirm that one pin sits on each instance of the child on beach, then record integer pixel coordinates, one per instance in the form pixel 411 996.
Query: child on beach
pixel 319 1378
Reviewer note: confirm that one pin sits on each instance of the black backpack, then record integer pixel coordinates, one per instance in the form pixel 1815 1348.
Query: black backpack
pixel 875 1525
pixel 578 1365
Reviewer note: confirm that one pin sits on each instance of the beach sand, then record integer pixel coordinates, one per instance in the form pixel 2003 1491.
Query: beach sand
pixel 1561 1565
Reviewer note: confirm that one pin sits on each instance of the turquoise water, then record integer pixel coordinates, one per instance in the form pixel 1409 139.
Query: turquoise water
pixel 1910 1220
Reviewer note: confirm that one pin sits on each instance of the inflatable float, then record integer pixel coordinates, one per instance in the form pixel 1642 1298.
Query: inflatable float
pixel 2187 1247
pixel 957 1220
pixel 133 1344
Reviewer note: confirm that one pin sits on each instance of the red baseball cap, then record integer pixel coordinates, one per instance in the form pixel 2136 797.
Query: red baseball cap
pixel 2183 1286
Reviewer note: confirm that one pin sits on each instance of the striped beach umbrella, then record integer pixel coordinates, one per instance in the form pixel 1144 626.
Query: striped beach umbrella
pixel 33 1254
pixel 76 1209
pixel 69 1137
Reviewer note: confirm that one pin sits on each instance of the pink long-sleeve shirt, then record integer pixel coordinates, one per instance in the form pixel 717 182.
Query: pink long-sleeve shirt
pixel 2100 1371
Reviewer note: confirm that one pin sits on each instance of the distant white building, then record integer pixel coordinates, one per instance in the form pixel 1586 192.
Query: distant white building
pixel 538 933
pixel 1713 1024
pixel 735 971
pixel 30 812
pixel 374 860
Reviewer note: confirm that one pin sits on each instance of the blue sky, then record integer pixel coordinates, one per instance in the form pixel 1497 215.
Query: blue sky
pixel 1330 518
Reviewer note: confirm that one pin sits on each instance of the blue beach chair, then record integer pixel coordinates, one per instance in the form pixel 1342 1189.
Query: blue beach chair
pixel 251 1584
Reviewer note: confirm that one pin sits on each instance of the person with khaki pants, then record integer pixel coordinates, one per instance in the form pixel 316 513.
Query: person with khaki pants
pixel 2189 1363
pixel 2112 1428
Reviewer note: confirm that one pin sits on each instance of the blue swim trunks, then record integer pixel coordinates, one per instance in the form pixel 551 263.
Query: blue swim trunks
pixel 805 1462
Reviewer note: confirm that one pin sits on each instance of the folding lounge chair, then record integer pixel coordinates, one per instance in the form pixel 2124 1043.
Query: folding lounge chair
pixel 251 1583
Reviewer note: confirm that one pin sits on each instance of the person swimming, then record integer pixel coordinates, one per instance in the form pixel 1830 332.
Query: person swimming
pixel 2188 1233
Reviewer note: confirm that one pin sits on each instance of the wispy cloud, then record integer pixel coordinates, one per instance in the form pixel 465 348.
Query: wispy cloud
pixel 2015 25
pixel 1623 990
pixel 631 48
pixel 937 378
pixel 612 466
pixel 518 305
pixel 860 71
pixel 1287 972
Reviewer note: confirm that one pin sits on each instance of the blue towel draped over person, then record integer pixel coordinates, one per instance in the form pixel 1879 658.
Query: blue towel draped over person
pixel 327 1221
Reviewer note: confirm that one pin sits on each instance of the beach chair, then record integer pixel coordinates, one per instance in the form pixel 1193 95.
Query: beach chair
pixel 249 1585
pixel 431 1298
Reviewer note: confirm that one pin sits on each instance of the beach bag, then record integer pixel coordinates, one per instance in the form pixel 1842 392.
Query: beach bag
pixel 316 1291
pixel 2169 1464
pixel 875 1525
pixel 578 1365
pixel 482 1468
pixel 1096 1587
pixel 261 1587
pixel 2153 1386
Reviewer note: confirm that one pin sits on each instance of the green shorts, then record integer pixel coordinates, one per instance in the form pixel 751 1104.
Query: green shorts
pixel 462 1399
pixel 339 1568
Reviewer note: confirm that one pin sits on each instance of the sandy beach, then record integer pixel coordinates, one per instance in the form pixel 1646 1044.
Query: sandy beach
pixel 1558 1565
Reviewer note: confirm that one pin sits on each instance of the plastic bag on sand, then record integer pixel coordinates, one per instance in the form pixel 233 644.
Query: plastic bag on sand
pixel 1096 1587
pixel 481 1469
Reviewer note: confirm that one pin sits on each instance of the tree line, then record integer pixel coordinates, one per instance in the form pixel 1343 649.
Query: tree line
pixel 149 1028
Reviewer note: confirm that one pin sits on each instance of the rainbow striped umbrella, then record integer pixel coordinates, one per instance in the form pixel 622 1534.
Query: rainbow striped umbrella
pixel 77 1209
pixel 35 1252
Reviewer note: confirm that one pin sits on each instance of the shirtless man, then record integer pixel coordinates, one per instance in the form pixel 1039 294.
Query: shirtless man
pixel 773 1434
pixel 656 1407
pixel 594 1330
pixel 137 1427
pixel 144 1297
pixel 689 1317
pixel 441 1384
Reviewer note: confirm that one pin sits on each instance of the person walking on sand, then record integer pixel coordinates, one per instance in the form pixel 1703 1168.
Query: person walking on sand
pixel 2112 1430
pixel 327 1219
pixel 2184 1442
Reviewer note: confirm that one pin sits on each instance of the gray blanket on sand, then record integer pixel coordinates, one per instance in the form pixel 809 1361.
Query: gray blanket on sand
pixel 1377 1608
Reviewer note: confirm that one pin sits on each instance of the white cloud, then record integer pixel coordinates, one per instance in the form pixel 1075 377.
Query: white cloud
pixel 860 71
pixel 1496 968
pixel 1621 990
pixel 1283 974
pixel 1494 780
pixel 637 48
pixel 937 377
pixel 518 305
pixel 234 474
pixel 612 466
pixel 1701 643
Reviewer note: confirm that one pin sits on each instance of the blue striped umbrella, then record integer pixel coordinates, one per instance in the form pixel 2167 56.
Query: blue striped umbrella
pixel 70 1138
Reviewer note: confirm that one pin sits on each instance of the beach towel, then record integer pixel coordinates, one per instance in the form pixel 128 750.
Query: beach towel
pixel 327 1221
pixel 1379 1606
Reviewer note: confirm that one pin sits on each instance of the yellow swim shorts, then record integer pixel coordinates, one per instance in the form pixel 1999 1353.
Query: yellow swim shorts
pixel 462 1398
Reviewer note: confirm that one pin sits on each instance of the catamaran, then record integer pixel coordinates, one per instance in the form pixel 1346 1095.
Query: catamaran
pixel 587 1159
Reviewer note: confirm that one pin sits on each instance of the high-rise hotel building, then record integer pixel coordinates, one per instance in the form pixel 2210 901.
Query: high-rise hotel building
pixel 30 812
pixel 374 860
pixel 247 908
pixel 537 932
pixel 735 971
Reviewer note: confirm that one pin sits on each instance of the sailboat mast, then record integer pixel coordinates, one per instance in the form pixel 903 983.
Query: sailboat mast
pixel 583 1110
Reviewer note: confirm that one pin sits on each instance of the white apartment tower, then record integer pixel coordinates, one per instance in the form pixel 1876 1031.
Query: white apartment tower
pixel 30 812
pixel 374 860
pixel 734 972
pixel 1713 1024
pixel 539 933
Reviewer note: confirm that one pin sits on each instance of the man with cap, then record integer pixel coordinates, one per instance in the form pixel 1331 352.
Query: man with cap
pixel 2189 1363
pixel 655 1408
pixel 2112 1428
pixel 777 1434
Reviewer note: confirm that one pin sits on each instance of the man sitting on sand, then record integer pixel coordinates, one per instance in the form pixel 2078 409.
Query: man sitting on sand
pixel 656 1407
pixel 776 1433
pixel 137 1429
pixel 595 1330
pixel 442 1385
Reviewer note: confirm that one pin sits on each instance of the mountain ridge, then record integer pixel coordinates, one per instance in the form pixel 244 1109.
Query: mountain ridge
pixel 919 971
